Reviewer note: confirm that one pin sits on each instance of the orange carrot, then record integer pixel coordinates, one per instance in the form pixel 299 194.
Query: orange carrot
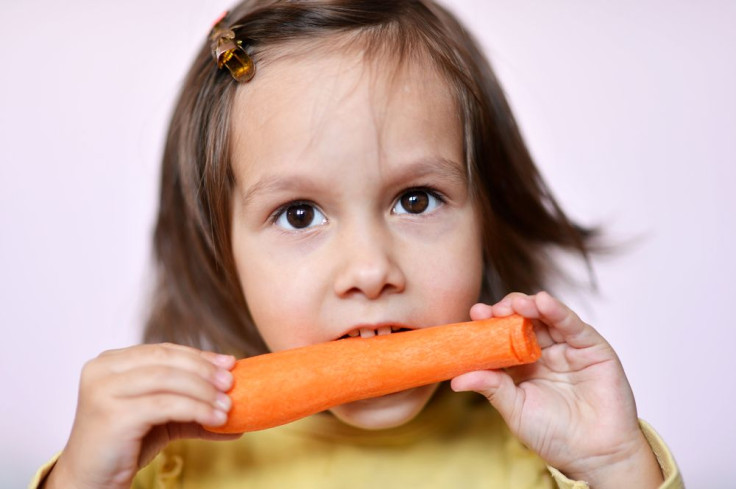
pixel 277 388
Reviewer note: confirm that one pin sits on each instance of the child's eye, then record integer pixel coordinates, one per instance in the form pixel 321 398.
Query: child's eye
pixel 299 215
pixel 417 201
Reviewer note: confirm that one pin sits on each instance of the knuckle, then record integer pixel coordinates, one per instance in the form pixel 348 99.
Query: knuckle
pixel 206 370
pixel 89 372
pixel 107 353
pixel 161 375
pixel 160 352
pixel 162 403
pixel 175 407
pixel 89 367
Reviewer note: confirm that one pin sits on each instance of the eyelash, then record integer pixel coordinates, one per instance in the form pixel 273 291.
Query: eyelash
pixel 428 189
pixel 278 213
pixel 281 210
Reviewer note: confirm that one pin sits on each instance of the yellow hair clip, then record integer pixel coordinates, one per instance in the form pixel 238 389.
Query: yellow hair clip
pixel 229 52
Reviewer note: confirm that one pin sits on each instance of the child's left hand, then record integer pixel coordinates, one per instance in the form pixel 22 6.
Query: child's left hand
pixel 574 407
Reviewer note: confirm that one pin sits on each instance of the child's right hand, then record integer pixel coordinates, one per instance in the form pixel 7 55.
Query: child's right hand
pixel 132 403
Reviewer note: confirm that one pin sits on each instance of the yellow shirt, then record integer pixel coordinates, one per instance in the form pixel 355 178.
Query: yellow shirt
pixel 458 441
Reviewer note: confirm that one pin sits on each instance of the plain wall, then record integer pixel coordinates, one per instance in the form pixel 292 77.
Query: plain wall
pixel 627 106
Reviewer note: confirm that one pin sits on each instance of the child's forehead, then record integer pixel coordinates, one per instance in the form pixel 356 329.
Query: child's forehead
pixel 331 77
pixel 342 105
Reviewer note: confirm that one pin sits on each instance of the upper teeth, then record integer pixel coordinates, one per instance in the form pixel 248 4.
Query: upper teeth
pixel 370 332
pixel 367 332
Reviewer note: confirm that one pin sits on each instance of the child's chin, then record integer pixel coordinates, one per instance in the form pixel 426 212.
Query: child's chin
pixel 385 412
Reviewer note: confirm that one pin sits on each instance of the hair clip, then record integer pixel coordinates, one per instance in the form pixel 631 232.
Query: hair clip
pixel 229 52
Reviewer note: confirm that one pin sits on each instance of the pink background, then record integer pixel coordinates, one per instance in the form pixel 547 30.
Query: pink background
pixel 629 108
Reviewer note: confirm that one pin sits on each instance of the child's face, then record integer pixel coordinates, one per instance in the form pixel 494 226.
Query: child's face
pixel 351 212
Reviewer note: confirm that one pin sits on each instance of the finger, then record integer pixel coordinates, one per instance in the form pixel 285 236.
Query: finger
pixel 99 389
pixel 206 364
pixel 554 321
pixel 518 303
pixel 524 305
pixel 496 385
pixel 481 311
pixel 484 311
pixel 168 351
pixel 218 359
pixel 147 381
pixel 505 307
pixel 564 325
pixel 163 408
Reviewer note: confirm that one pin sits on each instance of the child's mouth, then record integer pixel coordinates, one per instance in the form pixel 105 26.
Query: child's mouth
pixel 371 331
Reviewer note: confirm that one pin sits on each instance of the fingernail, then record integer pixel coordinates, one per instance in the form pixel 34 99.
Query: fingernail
pixel 223 402
pixel 225 361
pixel 456 388
pixel 219 417
pixel 223 379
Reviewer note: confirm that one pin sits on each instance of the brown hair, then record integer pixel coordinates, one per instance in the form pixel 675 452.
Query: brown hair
pixel 198 299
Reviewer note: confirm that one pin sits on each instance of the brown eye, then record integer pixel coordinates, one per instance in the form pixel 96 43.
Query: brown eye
pixel 299 216
pixel 416 201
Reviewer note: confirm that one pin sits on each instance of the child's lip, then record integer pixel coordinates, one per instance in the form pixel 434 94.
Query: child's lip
pixel 368 330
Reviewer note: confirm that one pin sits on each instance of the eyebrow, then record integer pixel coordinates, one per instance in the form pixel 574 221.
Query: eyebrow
pixel 441 167
pixel 275 183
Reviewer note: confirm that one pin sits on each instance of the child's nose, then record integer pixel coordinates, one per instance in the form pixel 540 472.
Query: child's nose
pixel 368 264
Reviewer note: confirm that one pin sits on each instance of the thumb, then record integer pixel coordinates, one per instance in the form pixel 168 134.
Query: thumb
pixel 496 385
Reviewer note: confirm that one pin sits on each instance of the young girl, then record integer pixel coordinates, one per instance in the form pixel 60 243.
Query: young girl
pixel 344 168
